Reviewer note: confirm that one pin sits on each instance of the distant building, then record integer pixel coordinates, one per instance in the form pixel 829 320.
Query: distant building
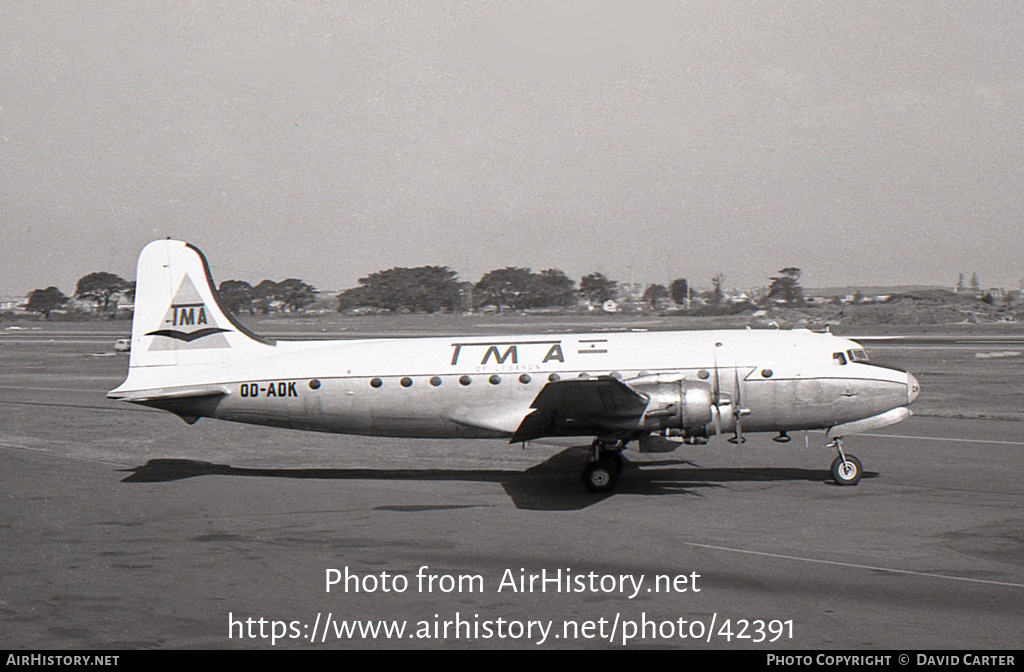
pixel 631 292
pixel 465 297
pixel 118 303
pixel 740 296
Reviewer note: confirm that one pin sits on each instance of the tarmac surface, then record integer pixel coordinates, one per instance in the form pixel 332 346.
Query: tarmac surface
pixel 124 527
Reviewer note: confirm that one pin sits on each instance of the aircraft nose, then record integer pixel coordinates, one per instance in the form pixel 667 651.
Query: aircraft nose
pixel 913 388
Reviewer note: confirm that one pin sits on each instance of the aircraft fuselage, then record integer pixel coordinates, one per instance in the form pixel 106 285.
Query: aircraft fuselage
pixel 483 387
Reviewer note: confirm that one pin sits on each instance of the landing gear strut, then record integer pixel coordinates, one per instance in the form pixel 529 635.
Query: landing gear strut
pixel 604 465
pixel 846 468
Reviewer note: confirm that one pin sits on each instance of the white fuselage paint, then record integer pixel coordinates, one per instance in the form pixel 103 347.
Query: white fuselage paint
pixel 806 389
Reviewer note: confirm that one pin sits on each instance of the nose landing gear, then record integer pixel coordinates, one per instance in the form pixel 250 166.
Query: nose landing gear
pixel 846 468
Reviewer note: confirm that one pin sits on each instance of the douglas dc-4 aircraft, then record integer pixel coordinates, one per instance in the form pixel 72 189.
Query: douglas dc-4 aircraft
pixel 191 357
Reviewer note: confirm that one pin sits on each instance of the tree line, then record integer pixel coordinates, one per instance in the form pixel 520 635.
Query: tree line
pixel 432 289
pixel 427 289
pixel 437 288
pixel 291 295
pixel 104 290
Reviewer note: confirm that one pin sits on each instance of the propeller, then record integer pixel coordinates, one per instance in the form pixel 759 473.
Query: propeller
pixel 737 410
pixel 717 394
pixel 737 402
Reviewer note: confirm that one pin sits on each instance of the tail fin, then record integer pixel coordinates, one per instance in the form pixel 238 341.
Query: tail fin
pixel 178 319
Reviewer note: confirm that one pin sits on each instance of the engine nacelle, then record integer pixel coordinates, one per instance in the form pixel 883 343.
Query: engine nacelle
pixel 676 404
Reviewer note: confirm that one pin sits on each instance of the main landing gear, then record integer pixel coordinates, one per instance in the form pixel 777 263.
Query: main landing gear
pixel 604 465
pixel 846 468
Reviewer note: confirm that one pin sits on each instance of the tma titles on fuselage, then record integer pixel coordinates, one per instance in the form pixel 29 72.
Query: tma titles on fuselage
pixel 654 389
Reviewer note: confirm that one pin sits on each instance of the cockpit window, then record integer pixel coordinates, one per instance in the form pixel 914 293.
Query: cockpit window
pixel 840 358
pixel 857 355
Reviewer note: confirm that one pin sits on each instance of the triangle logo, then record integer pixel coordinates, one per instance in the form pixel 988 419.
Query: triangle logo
pixel 188 323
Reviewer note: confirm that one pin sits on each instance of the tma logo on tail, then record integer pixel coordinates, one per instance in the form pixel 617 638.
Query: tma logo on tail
pixel 188 323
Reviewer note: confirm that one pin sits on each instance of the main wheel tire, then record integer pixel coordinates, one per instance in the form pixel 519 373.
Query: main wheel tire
pixel 600 476
pixel 848 472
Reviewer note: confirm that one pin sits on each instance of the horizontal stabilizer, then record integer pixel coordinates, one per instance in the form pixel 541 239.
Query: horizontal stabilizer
pixel 169 393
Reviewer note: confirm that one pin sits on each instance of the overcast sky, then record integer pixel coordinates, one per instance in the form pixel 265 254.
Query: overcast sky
pixel 864 142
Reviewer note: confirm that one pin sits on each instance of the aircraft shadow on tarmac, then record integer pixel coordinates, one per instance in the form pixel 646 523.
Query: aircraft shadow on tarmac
pixel 553 485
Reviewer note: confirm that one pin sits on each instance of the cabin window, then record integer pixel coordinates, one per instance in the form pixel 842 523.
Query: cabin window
pixel 554 378
pixel 435 381
pixel 376 382
pixel 703 374
pixel 406 382
pixel 525 379
pixel 314 384
pixel 495 379
pixel 839 358
pixel 857 355
pixel 465 380
pixel 766 373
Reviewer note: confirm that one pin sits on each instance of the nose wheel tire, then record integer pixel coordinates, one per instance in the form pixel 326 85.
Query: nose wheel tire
pixel 600 475
pixel 847 471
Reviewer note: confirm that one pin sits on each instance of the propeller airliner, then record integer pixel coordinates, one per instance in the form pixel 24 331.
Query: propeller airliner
pixel 658 390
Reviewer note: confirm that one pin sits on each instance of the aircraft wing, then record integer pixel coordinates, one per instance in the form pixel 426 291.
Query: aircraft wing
pixel 565 404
